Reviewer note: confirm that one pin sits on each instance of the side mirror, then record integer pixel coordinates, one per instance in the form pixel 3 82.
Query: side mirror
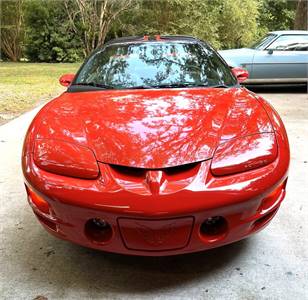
pixel 240 74
pixel 66 79
pixel 270 51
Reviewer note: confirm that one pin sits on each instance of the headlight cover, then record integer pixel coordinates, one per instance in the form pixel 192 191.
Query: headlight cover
pixel 243 154
pixel 65 158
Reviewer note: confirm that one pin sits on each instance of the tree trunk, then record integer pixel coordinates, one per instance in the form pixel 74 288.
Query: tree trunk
pixel 96 17
pixel 301 16
pixel 11 28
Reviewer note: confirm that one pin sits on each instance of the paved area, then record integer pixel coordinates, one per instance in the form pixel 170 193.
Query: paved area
pixel 270 265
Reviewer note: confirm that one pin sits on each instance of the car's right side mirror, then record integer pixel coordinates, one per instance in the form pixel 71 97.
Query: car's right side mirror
pixel 270 51
pixel 240 73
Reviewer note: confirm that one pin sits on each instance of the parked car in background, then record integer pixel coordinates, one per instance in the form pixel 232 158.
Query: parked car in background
pixel 279 57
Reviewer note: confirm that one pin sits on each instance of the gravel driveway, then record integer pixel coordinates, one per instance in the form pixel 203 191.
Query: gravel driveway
pixel 270 265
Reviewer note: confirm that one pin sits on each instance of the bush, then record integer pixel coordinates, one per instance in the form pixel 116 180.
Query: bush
pixel 53 35
pixel 48 36
pixel 227 23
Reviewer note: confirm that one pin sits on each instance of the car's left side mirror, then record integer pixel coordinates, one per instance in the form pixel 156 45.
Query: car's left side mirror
pixel 240 74
pixel 66 79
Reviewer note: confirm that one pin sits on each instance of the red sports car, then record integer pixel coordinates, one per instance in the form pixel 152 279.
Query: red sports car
pixel 155 149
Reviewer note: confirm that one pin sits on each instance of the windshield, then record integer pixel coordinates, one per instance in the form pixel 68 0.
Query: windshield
pixel 261 43
pixel 154 65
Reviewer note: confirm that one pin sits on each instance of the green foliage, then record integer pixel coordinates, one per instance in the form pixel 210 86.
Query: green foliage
pixel 238 26
pixel 276 15
pixel 48 37
pixel 64 31
pixel 191 17
pixel 223 23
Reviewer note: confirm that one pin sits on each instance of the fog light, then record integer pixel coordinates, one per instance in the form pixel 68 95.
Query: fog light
pixel 100 223
pixel 214 228
pixel 98 230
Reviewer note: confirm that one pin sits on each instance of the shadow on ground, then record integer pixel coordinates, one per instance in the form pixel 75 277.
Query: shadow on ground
pixel 300 89
pixel 62 265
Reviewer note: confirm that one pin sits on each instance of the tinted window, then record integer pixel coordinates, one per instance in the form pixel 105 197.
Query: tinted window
pixel 155 64
pixel 290 43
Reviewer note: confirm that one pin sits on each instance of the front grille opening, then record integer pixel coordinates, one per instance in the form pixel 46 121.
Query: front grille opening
pixel 141 172
pixel 129 171
pixel 180 169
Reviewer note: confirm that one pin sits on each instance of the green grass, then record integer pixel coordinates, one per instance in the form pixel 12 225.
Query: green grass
pixel 25 85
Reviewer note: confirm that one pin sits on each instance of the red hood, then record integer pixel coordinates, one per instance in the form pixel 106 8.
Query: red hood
pixel 153 128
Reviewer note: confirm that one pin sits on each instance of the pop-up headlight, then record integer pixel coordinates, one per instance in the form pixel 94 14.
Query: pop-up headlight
pixel 243 154
pixel 65 158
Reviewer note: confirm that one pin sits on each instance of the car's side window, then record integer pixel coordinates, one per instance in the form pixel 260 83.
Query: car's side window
pixel 290 43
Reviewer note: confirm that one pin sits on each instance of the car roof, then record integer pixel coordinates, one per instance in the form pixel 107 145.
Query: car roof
pixel 295 32
pixel 146 38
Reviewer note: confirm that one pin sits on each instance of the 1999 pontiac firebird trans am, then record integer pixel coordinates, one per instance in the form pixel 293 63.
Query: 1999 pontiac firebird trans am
pixel 155 149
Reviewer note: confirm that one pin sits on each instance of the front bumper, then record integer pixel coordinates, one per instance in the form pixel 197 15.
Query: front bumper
pixel 163 224
pixel 136 236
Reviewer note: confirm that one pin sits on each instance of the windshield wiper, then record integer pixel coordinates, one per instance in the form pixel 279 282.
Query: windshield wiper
pixel 175 85
pixel 137 87
pixel 219 86
pixel 158 86
pixel 179 85
pixel 99 85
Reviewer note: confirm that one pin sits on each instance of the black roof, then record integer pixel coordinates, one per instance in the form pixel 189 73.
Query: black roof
pixel 146 38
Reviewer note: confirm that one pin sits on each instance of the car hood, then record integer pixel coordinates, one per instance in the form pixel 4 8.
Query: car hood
pixel 153 128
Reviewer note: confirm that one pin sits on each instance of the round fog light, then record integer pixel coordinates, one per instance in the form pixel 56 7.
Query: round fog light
pixel 100 223
pixel 214 228
pixel 98 230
